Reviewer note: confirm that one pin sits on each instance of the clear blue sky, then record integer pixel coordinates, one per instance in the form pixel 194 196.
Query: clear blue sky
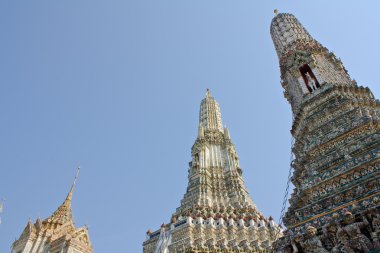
pixel 115 87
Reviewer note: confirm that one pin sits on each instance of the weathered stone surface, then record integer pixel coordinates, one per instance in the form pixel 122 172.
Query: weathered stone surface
pixel 336 127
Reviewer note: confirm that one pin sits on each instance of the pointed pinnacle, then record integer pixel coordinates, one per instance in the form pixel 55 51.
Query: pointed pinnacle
pixel 70 195
pixel 208 93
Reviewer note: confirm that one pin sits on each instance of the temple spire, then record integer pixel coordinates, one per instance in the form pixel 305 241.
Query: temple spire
pixel 328 146
pixel 70 194
pixel 64 214
pixel 57 232
pixel 216 202
pixel 210 117
pixel 286 31
pixel 306 66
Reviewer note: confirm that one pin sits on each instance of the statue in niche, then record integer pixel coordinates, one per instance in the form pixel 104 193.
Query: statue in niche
pixel 309 78
pixel 310 82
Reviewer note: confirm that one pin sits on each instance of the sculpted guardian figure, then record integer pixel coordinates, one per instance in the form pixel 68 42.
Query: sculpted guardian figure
pixel 357 240
pixel 310 243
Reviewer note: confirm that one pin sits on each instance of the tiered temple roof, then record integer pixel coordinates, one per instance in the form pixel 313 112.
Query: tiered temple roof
pixel 56 233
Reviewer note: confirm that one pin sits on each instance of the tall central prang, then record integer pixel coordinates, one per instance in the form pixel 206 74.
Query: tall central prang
pixel 216 213
pixel 336 127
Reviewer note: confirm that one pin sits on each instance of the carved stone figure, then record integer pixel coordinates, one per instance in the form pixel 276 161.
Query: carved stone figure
pixel 330 233
pixel 311 242
pixel 357 240
pixel 375 228
pixel 343 245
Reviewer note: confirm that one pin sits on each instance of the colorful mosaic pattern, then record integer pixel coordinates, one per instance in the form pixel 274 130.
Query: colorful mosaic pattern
pixel 336 127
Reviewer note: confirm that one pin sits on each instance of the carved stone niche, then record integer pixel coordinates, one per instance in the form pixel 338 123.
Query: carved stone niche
pixel 297 60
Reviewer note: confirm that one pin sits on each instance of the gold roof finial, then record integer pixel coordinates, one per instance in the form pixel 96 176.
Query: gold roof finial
pixel 275 12
pixel 208 93
pixel 64 214
pixel 70 195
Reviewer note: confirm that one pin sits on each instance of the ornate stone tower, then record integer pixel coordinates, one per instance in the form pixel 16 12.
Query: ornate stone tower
pixel 337 147
pixel 56 234
pixel 216 212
